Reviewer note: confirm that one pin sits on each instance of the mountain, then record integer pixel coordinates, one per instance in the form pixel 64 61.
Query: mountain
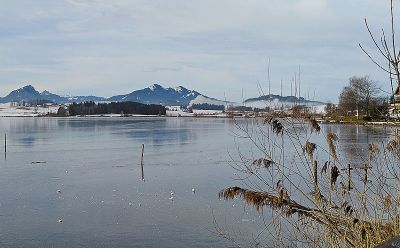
pixel 277 101
pixel 45 95
pixel 156 94
pixel 29 93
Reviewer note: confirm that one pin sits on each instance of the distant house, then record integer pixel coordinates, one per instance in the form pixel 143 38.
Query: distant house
pixel 394 107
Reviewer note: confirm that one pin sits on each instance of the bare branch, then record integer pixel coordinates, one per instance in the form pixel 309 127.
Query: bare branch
pixel 376 63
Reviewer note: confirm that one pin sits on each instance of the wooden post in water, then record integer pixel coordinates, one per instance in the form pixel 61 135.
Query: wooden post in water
pixel 348 170
pixel 5 146
pixel 366 168
pixel 141 162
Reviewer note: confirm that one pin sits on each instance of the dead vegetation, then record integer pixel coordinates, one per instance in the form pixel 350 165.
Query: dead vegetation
pixel 355 199
pixel 328 203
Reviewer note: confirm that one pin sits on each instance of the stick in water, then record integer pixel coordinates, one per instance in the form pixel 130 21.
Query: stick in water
pixel 141 163
pixel 5 146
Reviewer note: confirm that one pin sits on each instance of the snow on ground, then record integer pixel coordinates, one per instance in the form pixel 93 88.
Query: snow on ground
pixel 276 104
pixel 119 115
pixel 7 110
pixel 201 100
pixel 319 109
pixel 180 112
pixel 207 112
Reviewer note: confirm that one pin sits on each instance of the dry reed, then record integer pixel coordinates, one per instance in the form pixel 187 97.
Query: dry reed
pixel 309 148
pixel 360 215
pixel 314 126
pixel 266 163
pixel 331 138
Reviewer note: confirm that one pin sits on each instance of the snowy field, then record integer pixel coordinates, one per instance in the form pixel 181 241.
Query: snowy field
pixel 177 111
pixel 11 111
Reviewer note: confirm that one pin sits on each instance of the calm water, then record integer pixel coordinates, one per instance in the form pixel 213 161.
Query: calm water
pixel 92 182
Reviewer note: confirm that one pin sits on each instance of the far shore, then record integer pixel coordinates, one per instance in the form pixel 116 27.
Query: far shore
pixel 321 121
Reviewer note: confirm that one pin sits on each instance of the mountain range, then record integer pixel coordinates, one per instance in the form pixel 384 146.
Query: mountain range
pixel 154 94
pixel 29 93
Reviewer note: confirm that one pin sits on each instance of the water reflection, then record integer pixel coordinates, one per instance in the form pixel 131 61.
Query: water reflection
pixel 354 139
pixel 29 131
pixel 24 129
pixel 91 181
pixel 95 163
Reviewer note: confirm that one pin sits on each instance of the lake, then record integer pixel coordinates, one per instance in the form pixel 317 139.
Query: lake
pixel 76 182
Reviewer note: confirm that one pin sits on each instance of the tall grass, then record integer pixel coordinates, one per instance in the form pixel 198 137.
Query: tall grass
pixel 328 200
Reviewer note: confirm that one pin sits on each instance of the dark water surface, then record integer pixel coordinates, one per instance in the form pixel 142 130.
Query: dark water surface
pixel 91 182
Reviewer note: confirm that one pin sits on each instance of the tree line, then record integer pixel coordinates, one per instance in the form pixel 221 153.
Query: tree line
pixel 206 106
pixel 124 108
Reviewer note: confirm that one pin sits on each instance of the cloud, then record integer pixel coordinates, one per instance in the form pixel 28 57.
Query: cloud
pixel 111 47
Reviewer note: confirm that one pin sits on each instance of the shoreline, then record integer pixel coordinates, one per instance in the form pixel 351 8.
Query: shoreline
pixel 114 116
pixel 360 123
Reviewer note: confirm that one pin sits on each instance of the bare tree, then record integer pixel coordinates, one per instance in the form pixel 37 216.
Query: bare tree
pixel 361 94
pixel 330 109
pixel 365 90
pixel 347 101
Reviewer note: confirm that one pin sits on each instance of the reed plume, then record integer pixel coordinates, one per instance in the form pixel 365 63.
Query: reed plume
pixel 266 163
pixel 363 213
pixel 331 138
pixel 314 126
pixel 373 150
pixel 277 127
pixel 309 148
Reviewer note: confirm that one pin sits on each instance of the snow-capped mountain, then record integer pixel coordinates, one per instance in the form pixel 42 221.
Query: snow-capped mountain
pixel 156 94
pixel 29 93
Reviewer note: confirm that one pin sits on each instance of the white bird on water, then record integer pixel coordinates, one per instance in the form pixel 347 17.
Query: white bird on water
pixel 193 190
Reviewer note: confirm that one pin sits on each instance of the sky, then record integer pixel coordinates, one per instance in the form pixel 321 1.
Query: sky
pixel 220 48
